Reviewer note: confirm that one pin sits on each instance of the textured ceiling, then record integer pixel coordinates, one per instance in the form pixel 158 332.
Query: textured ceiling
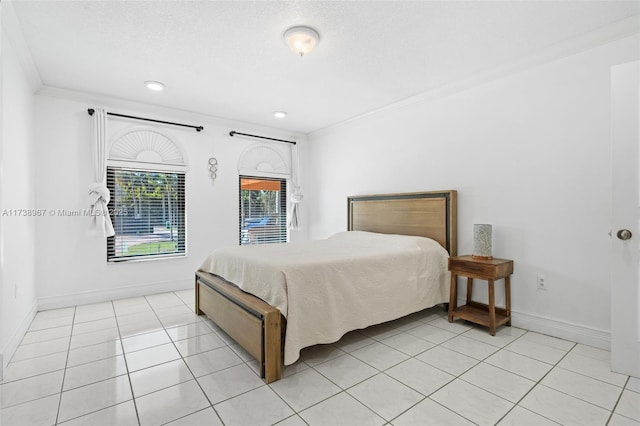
pixel 227 58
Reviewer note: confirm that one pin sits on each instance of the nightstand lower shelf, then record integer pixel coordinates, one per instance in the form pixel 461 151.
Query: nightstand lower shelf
pixel 478 313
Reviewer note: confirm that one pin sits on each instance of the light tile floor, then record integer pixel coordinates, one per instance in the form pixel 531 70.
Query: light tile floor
pixel 151 361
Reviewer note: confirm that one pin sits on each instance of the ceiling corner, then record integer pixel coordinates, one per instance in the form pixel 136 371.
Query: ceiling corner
pixel 12 30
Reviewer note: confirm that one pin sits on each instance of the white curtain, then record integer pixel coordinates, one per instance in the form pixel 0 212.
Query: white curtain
pixel 296 192
pixel 100 225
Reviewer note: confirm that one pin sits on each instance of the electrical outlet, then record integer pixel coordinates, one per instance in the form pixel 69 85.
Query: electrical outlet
pixel 542 282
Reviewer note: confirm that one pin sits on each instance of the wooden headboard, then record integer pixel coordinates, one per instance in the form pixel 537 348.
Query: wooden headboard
pixel 425 214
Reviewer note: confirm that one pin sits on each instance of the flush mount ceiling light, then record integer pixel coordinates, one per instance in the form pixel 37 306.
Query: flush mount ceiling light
pixel 156 86
pixel 301 40
pixel 279 114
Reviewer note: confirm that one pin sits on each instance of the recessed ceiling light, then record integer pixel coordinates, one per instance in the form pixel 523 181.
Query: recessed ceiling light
pixel 156 86
pixel 279 114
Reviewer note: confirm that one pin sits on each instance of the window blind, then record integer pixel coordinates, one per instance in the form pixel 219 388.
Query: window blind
pixel 147 208
pixel 263 210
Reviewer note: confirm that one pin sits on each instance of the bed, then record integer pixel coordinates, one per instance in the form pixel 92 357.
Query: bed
pixel 338 295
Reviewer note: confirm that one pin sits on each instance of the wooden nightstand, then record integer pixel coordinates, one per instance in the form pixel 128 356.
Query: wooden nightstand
pixel 489 270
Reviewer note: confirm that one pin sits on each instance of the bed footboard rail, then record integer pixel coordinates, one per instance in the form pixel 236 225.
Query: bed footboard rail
pixel 252 323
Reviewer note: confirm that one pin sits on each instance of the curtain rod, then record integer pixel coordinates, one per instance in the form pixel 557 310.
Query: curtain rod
pixel 233 132
pixel 91 111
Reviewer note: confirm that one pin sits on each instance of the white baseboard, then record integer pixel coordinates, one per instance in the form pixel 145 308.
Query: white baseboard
pixel 562 329
pixel 97 296
pixel 589 336
pixel 7 352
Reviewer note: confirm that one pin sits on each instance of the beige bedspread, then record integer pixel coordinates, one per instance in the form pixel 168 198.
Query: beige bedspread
pixel 349 281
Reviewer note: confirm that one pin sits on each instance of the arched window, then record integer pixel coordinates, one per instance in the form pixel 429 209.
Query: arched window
pixel 146 177
pixel 263 174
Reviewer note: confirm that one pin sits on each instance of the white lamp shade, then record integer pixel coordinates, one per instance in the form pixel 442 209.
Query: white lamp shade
pixel 482 239
pixel 301 40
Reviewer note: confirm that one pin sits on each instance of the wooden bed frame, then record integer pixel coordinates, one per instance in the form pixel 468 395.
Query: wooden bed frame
pixel 259 327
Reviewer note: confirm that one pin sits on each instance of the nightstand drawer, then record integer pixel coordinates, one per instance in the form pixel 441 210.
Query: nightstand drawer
pixel 483 269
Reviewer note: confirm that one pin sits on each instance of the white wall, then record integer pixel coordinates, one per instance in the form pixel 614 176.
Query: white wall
pixel 17 231
pixel 528 153
pixel 72 266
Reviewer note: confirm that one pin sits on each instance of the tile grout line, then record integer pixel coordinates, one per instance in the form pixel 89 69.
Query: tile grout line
pixel 379 372
pixel 538 383
pixel 64 373
pixel 613 410
pixel 189 368
pixel 424 397
pixel 100 381
pixel 459 377
pixel 504 348
pixel 345 390
pixel 578 398
pixel 195 379
pixel 126 363
pixel 64 369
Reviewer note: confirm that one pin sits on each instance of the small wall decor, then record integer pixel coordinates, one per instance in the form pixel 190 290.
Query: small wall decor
pixel 213 168
pixel 482 242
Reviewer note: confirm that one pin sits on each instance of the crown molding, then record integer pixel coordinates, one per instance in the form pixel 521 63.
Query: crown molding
pixel 609 33
pixel 12 30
